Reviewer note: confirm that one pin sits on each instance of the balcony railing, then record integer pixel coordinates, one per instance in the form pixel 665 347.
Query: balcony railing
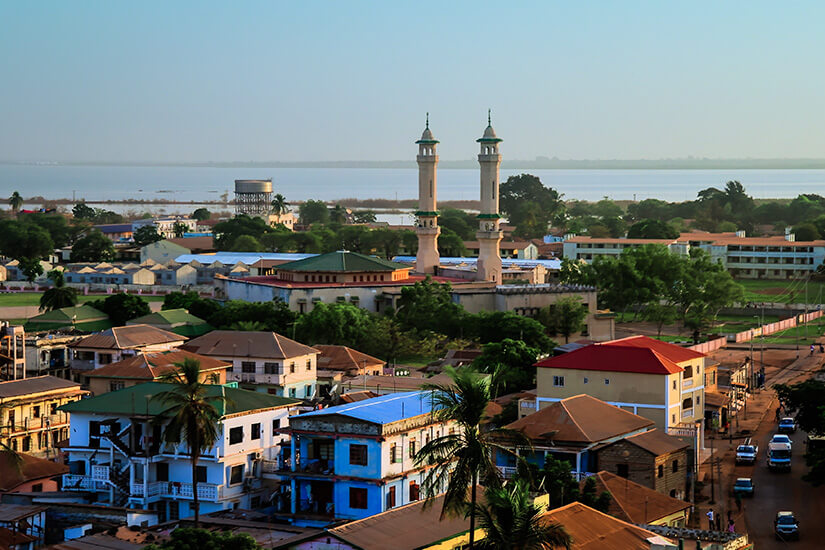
pixel 509 471
pixel 687 413
pixel 209 492
pixel 29 424
pixel 687 383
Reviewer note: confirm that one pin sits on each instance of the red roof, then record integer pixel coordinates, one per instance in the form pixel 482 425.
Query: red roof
pixel 634 354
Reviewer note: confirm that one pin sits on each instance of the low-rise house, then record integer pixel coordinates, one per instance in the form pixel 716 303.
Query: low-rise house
pixel 412 526
pixel 357 460
pixel 522 250
pixel 165 225
pixel 151 367
pixel 30 416
pixel 262 361
pixel 174 274
pixel 118 343
pixel 117 451
pixel 49 354
pixel 84 318
pixel 24 527
pixel 638 504
pixel 35 475
pixel 162 252
pixel 348 360
pixel 14 273
pixel 12 351
pixel 653 459
pixel 117 232
pixel 660 381
pixel 572 429
pixel 594 530
pixel 178 321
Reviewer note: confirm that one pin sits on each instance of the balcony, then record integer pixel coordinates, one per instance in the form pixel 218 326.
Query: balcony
pixel 687 414
pixel 42 422
pixel 208 492
pixel 255 378
pixel 687 383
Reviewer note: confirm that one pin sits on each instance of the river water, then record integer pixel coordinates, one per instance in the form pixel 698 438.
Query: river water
pixel 297 184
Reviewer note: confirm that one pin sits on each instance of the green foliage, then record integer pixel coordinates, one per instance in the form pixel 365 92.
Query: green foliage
pixel 428 306
pixel 94 247
pixel 279 204
pixel 338 215
pixel 60 295
pixel 364 216
pixel 274 316
pixel 530 206
pixel 188 538
pixel 313 211
pixel 192 302
pixel 15 202
pixel 179 229
pixel 229 231
pixel 201 214
pixel 19 240
pixel 146 234
pixel 556 479
pixel 497 326
pixel 459 222
pixel 804 401
pixel 340 324
pixel 31 268
pixel 652 229
pixel 122 307
pixel 246 243
pixel 565 317
pixel 60 231
pixel 510 362
pixel 660 315
pixel 806 232
pixel 82 211
pixel 450 243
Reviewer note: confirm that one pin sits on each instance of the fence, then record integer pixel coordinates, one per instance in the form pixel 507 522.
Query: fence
pixel 773 328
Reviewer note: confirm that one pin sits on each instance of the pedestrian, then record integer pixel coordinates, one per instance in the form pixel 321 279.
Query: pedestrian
pixel 731 526
pixel 812 349
pixel 710 520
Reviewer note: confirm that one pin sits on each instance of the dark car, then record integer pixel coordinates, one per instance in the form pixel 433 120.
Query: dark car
pixel 786 526
pixel 743 487
pixel 787 426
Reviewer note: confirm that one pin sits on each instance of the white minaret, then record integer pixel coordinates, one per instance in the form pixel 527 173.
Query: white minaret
pixel 427 258
pixel 489 236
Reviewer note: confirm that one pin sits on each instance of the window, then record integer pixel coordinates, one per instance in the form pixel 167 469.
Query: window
pixel 674 384
pixel 256 502
pixel 414 491
pixel 309 364
pixel 162 471
pixel 358 455
pixel 200 474
pixel 391 497
pixel 292 392
pixel 292 368
pixel 104 358
pixel 558 381
pixel 606 381
pixel 412 448
pixel 36 411
pixel 395 455
pixel 276 425
pixel 236 474
pixel 586 380
pixel 622 470
pixel 27 444
pixel 688 371
pixel 687 403
pixel 115 385
pixel 235 435
pixel 307 391
pixel 256 431
pixel 675 466
pixel 53 409
pixel 37 488
pixel 248 366
pixel 673 419
pixel 174 510
pixel 270 368
pixel 660 471
pixel 357 498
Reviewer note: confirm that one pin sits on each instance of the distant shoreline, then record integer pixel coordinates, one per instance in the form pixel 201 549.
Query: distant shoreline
pixel 536 164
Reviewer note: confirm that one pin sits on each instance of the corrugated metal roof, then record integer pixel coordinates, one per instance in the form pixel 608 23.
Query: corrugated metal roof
pixel 382 410
pixel 129 337
pixel 17 388
pixel 241 343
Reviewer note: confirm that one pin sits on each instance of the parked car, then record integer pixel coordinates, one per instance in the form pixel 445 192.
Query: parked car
pixel 787 425
pixel 747 452
pixel 786 526
pixel 782 439
pixel 743 487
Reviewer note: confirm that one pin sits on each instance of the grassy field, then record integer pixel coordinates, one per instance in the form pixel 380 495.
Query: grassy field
pixel 18 299
pixel 785 292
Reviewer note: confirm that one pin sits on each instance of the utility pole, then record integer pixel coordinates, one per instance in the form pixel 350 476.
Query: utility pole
pixel 712 483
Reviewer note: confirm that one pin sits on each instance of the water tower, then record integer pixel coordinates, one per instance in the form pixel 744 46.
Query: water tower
pixel 253 197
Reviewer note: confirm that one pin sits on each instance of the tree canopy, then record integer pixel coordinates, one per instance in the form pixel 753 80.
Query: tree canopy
pixel 122 307
pixel 146 234
pixel 530 206
pixel 312 211
pixel 94 247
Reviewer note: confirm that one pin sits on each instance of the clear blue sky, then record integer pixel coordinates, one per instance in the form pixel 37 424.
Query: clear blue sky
pixel 350 80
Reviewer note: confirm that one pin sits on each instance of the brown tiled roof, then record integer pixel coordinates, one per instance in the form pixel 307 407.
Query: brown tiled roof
pixel 593 530
pixel 204 244
pixel 151 366
pixel 31 469
pixel 354 396
pixel 21 388
pixel 238 343
pixel 344 358
pixel 579 419
pixel 716 399
pixel 403 528
pixel 636 503
pixel 657 442
pixel 129 337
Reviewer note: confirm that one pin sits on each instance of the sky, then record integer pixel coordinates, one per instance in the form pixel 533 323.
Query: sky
pixel 352 80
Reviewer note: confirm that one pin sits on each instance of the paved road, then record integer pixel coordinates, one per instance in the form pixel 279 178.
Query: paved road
pixel 783 491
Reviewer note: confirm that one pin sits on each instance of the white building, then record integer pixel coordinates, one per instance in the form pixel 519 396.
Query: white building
pixel 166 226
pixel 117 451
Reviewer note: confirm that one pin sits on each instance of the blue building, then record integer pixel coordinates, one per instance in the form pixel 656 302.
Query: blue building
pixel 356 460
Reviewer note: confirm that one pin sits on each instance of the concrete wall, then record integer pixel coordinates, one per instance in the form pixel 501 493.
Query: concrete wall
pixel 643 467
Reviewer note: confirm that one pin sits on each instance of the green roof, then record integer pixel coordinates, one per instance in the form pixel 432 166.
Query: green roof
pixel 137 400
pixel 342 261
pixel 84 318
pixel 168 317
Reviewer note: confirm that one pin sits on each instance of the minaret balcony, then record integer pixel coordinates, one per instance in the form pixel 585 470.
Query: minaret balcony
pixel 488 158
pixel 492 235
pixel 427 158
pixel 428 230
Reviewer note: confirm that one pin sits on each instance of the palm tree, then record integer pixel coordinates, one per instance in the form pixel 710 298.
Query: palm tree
pixel 190 415
pixel 462 459
pixel 279 204
pixel 510 519
pixel 15 202
pixel 59 295
pixel 179 229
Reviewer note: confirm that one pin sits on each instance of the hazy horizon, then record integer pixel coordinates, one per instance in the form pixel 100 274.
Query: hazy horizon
pixel 265 82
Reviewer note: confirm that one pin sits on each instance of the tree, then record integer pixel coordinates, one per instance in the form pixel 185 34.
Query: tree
pixel 55 225
pixel 94 247
pixel 227 232
pixel 450 244
pixel 556 479
pixel 565 317
pixel 530 206
pixel 338 214
pixel 804 401
pixel 15 202
pixel 188 538
pixel 146 234
pixel 191 415
pixel 202 214
pixel 313 211
pixel 179 229
pixel 247 326
pixel 339 324
pixel 497 326
pixel 279 204
pixel 31 268
pixel 59 295
pixel 275 316
pixel 651 229
pixel 428 305
pixel 513 359
pixel 20 240
pixel 806 232
pixel 247 243
pixel 660 314
pixel 511 520
pixel 83 211
pixel 122 307
pixel 463 458
pixel 459 222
